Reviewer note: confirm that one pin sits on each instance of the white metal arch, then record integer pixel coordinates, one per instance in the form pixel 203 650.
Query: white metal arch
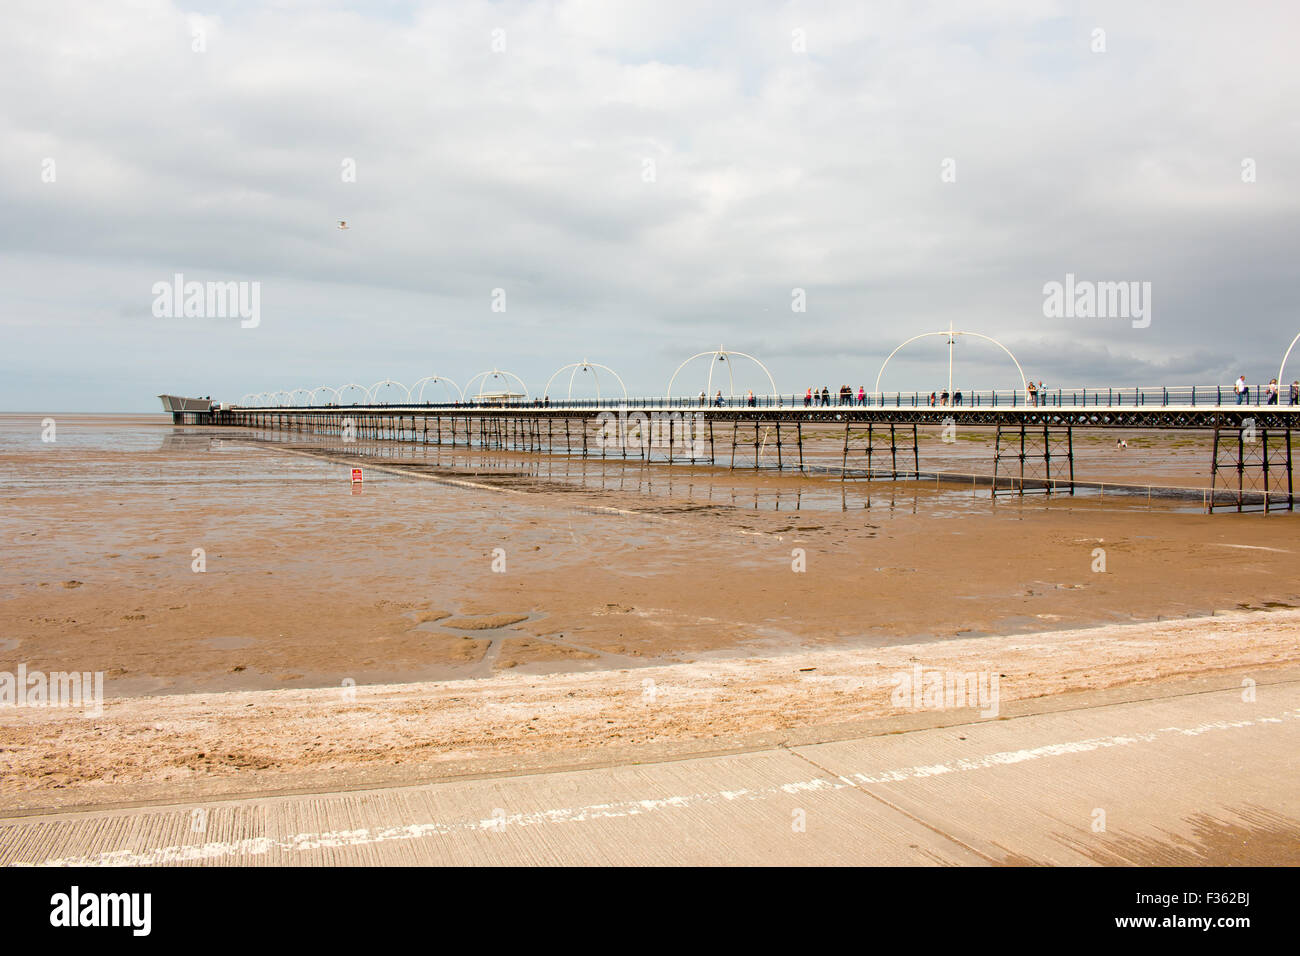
pixel 293 399
pixel 360 388
pixel 373 391
pixel 951 334
pixel 249 400
pixel 721 355
pixel 282 398
pixel 1281 381
pixel 324 388
pixel 430 379
pixel 494 373
pixel 584 366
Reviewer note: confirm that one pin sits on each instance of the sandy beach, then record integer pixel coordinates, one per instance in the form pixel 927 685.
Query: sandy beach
pixel 335 631
pixel 194 746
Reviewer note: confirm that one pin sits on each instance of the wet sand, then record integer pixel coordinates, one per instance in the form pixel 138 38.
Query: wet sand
pixel 609 570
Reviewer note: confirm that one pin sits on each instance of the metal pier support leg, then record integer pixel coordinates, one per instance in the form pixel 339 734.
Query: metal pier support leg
pixel 893 453
pixel 780 465
pixel 1069 444
pixel 798 429
pixel 870 449
pixel 997 457
pixel 711 458
pixel 1047 455
pixel 1214 466
pixel 1290 488
pixel 671 422
pixel 756 444
pixel 735 427
pixel 1241 464
pixel 1022 459
pixel 916 455
pixel 1264 437
pixel 844 458
pixel 584 439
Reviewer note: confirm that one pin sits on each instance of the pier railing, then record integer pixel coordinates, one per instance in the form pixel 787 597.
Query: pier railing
pixel 1153 396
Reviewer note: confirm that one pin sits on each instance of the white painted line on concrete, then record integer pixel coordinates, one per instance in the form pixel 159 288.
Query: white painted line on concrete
pixel 302 842
pixel 1056 750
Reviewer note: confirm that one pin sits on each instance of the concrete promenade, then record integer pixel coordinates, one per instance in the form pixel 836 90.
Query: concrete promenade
pixel 1199 776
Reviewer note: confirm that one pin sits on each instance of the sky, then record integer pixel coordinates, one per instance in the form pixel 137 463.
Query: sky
pixel 529 185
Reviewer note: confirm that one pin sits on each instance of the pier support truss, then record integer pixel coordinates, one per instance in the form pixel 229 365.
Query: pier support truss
pixel 1033 458
pixel 1252 467
pixel 902 440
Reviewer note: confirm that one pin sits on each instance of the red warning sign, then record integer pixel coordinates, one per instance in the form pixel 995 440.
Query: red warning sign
pixel 356 475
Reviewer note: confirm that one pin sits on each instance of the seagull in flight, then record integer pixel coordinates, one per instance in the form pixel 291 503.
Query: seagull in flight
pixel 343 224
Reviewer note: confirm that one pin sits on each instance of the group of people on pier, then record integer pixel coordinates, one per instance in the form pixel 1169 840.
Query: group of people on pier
pixel 1035 394
pixel 1271 392
pixel 812 397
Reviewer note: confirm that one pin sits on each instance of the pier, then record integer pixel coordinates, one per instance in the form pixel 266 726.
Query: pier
pixel 1251 464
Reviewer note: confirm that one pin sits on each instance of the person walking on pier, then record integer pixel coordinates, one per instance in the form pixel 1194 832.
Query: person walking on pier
pixel 956 397
pixel 807 398
pixel 862 394
pixel 1242 390
pixel 1295 393
pixel 826 395
pixel 1031 393
pixel 1271 392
